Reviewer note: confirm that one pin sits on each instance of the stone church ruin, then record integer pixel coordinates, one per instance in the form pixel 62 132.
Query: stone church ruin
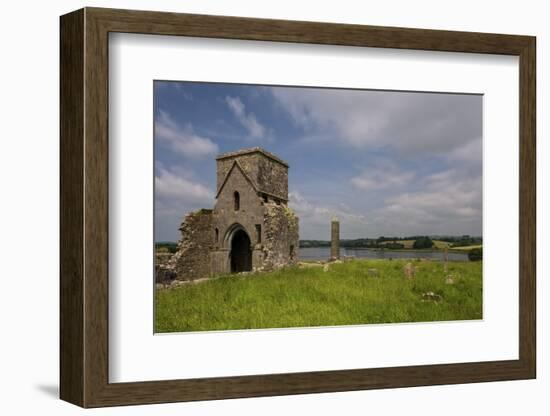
pixel 250 228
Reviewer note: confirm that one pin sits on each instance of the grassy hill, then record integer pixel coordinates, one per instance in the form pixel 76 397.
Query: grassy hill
pixel 348 293
pixel 467 248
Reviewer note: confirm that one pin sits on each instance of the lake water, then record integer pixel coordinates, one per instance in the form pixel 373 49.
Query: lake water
pixel 323 253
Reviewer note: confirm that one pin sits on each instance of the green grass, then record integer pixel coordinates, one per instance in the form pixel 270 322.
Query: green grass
pixel 302 297
pixel 441 244
pixel 467 248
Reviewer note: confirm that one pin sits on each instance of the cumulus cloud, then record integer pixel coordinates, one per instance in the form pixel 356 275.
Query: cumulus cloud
pixel 315 218
pixel 170 185
pixel 381 174
pixel 248 120
pixel 182 139
pixel 177 192
pixel 407 122
pixel 449 202
pixel 470 154
pixel 434 131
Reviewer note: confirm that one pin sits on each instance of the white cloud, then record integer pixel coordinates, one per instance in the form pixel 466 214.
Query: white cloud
pixel 448 203
pixel 179 190
pixel 254 128
pixel 177 193
pixel 315 218
pixel 183 140
pixel 408 122
pixel 470 153
pixel 381 174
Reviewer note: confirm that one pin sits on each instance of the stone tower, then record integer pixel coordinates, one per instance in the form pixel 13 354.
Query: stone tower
pixel 335 239
pixel 251 227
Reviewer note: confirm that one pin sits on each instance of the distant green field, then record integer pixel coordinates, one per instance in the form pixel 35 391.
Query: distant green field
pixel 346 294
pixel 467 248
pixel 409 243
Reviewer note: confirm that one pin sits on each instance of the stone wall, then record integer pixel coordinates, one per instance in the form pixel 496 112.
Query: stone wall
pixel 250 213
pixel 164 269
pixel 280 247
pixel 219 261
pixel 246 162
pixel 164 274
pixel 192 260
pixel 268 173
pixel 272 178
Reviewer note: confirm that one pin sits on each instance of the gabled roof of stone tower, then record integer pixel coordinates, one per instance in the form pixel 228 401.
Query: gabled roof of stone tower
pixel 236 165
pixel 266 173
pixel 252 150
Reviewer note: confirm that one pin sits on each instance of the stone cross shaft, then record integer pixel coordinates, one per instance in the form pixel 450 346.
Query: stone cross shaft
pixel 335 239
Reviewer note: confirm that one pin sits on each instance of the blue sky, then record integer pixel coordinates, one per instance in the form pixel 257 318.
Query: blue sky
pixel 384 162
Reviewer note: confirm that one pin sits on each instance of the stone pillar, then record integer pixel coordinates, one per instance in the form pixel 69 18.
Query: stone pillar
pixel 334 239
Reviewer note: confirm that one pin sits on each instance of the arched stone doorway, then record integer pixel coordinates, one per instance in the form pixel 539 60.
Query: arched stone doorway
pixel 240 254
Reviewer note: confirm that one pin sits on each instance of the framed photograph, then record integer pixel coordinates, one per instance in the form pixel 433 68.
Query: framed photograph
pixel 254 207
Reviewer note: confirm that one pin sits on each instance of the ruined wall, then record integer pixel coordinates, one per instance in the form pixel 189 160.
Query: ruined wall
pixel 280 246
pixel 164 269
pixel 192 260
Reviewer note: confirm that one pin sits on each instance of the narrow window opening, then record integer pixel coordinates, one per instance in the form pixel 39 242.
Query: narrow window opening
pixel 217 234
pixel 237 201
pixel 258 233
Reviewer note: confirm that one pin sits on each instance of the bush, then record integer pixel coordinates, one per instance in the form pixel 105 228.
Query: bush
pixel 166 247
pixel 475 254
pixel 393 246
pixel 423 242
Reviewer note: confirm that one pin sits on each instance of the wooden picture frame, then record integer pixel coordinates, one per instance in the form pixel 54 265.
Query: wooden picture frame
pixel 84 207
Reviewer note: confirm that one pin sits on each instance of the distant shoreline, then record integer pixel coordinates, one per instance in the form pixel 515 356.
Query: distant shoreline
pixel 460 249
pixel 427 250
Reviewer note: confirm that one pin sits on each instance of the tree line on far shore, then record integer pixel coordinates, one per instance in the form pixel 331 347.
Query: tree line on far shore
pixel 420 242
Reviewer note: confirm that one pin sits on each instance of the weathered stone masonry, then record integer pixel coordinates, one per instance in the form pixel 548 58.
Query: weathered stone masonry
pixel 194 245
pixel 250 228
